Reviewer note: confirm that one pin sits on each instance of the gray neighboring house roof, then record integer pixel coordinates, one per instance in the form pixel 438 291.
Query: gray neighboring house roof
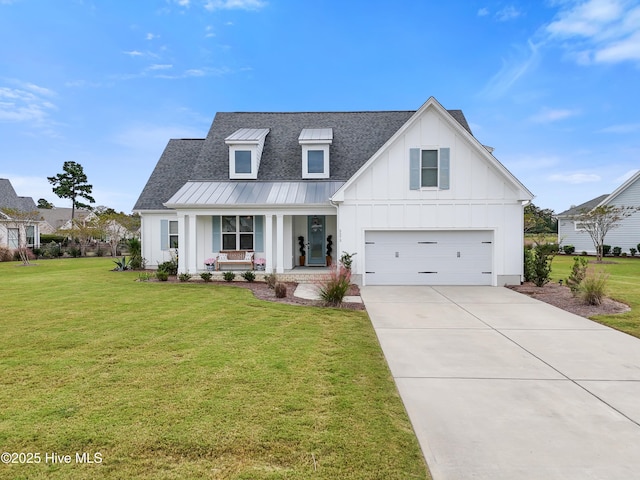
pixel 56 217
pixel 356 137
pixel 584 207
pixel 9 198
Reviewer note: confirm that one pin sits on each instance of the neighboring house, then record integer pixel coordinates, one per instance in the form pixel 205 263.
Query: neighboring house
pixel 55 219
pixel 10 231
pixel 413 194
pixel 626 236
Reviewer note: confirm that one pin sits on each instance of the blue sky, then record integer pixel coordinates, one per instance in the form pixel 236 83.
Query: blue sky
pixel 553 85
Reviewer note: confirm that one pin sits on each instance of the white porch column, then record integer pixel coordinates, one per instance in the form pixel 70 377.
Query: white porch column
pixel 280 243
pixel 182 244
pixel 192 255
pixel 268 243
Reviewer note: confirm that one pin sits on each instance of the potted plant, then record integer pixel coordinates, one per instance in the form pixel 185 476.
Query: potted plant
pixel 260 264
pixel 302 251
pixel 329 249
pixel 210 264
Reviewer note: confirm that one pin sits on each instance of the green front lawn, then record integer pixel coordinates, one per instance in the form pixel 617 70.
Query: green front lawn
pixel 176 381
pixel 623 285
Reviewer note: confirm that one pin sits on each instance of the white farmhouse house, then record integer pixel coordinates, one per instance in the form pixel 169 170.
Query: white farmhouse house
pixel 413 194
pixel 19 225
pixel 625 236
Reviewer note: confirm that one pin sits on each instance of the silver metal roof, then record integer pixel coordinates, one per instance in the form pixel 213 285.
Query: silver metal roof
pixel 211 194
pixel 321 135
pixel 247 135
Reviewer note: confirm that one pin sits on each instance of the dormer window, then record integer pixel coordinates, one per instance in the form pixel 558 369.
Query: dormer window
pixel 315 152
pixel 245 152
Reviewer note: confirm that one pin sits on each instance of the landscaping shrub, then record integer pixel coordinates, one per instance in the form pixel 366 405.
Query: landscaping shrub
pixel 606 249
pixel 578 272
pixel 121 265
pixel 528 263
pixel 27 252
pixel 617 251
pixel 171 267
pixel 280 290
pixel 6 254
pixel 335 287
pixel 228 276
pixel 74 251
pixel 51 250
pixel 184 277
pixel 633 251
pixel 135 252
pixel 542 257
pixel 270 280
pixel 249 276
pixel 593 287
pixel 347 259
pixel 52 238
pixel 568 249
pixel 206 276
pixel 583 253
pixel 162 275
pixel 144 276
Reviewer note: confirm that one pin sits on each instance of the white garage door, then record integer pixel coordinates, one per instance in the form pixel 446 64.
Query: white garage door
pixel 428 257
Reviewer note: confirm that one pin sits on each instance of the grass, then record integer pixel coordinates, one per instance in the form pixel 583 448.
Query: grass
pixel 186 380
pixel 623 285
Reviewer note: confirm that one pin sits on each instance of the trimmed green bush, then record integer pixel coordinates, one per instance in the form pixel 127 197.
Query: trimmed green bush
pixel 606 249
pixel 568 249
pixel 184 277
pixel 617 251
pixel 249 276
pixel 228 276
pixel 162 275
pixel 206 276
pixel 171 267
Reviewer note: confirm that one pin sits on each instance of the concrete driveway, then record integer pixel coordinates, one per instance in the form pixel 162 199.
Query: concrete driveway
pixel 500 386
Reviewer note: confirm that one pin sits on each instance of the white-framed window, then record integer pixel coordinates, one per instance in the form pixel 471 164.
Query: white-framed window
pixel 238 232
pixel 13 238
pixel 30 230
pixel 579 226
pixel 245 152
pixel 315 161
pixel 173 234
pixel 429 168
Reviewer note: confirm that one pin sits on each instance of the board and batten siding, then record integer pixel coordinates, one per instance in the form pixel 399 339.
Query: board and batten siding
pixel 478 197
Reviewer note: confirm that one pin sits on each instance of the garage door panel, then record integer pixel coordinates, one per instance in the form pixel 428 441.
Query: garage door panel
pixel 428 258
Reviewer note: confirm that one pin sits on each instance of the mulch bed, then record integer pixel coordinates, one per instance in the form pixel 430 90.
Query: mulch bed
pixel 561 296
pixel 263 292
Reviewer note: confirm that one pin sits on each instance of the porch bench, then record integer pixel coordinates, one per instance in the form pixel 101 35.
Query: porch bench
pixel 235 257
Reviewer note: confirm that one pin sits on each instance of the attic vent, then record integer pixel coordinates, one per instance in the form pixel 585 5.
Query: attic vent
pixel 315 151
pixel 245 152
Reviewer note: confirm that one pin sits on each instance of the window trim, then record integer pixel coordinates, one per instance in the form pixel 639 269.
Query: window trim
pixel 306 148
pixel 233 174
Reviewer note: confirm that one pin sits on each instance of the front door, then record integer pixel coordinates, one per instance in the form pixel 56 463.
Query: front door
pixel 316 252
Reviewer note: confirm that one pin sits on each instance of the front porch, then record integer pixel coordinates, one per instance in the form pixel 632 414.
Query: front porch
pixel 294 243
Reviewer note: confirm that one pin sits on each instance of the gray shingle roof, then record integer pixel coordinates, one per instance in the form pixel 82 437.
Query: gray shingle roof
pixel 584 207
pixel 9 198
pixel 356 137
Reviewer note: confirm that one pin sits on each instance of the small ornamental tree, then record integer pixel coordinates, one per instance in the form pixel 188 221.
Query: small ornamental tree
pixel 21 220
pixel 600 220
pixel 72 184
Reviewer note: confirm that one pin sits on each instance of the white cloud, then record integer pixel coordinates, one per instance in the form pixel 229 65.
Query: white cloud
pixel 508 13
pixel 512 70
pixel 160 67
pixel 622 128
pixel 212 5
pixel 548 115
pixel 208 32
pixel 574 178
pixel 483 12
pixel 21 105
pixel 598 31
pixel 134 53
pixel 151 36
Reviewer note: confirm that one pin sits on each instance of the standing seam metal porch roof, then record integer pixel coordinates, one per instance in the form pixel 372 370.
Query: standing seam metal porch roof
pixel 207 194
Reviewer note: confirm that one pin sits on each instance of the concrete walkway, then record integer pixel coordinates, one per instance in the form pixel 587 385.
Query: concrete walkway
pixel 500 386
